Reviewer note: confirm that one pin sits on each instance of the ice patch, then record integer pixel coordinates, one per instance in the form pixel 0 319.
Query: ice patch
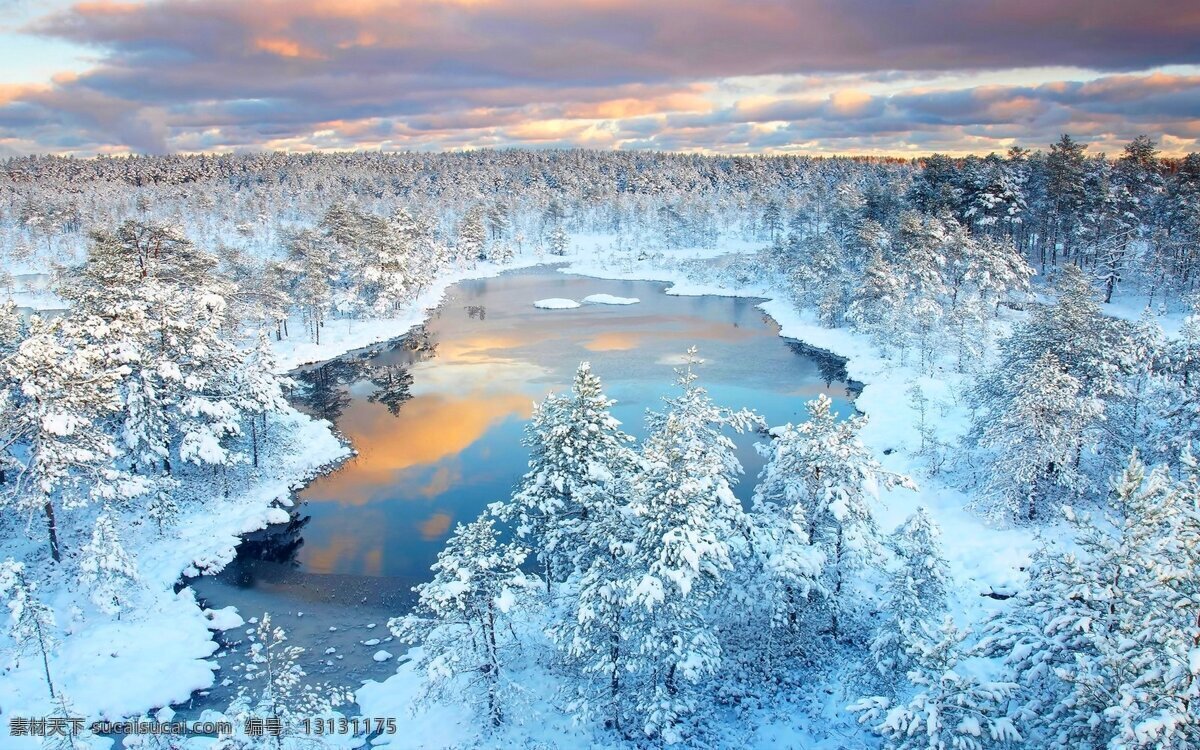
pixel 609 299
pixel 555 303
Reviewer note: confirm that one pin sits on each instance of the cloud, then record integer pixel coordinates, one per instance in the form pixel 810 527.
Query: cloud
pixel 713 75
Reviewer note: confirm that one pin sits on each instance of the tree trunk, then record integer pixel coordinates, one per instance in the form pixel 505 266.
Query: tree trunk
pixel 254 439
pixel 614 683
pixel 45 656
pixel 52 529
pixel 494 664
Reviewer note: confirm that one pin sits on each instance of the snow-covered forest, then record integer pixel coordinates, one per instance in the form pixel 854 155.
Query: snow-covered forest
pixel 1026 327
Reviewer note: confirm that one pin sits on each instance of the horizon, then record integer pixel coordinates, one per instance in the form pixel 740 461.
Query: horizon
pixel 913 158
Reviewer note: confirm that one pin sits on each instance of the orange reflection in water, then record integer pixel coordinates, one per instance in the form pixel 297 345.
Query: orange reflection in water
pixel 669 328
pixel 324 559
pixel 614 341
pixel 435 526
pixel 428 429
pixel 479 349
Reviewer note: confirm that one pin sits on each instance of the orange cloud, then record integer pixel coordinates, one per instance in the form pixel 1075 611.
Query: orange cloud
pixel 849 101
pixel 286 48
pixel 615 109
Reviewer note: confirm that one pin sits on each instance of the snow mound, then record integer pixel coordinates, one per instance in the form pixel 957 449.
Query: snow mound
pixel 609 299
pixel 556 303
pixel 223 619
pixel 381 656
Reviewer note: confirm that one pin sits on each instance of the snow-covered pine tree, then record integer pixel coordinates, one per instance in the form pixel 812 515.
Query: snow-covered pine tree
pixel 73 739
pixel 472 238
pixel 787 569
pixel 915 596
pixel 59 387
pixel 558 240
pixel 106 569
pixel 258 392
pixel 579 457
pixel 167 331
pixel 310 267
pixel 948 708
pixel 690 529
pixel 828 481
pixel 12 328
pixel 462 618
pixel 30 623
pixel 1090 346
pixel 593 636
pixel 386 268
pixel 1037 440
pixel 1156 649
pixel 1096 637
pixel 877 304
pixel 1178 381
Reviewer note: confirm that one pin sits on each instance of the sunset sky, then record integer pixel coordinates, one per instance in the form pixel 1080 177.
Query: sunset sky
pixel 902 77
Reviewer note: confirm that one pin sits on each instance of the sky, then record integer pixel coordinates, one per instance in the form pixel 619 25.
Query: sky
pixel 861 77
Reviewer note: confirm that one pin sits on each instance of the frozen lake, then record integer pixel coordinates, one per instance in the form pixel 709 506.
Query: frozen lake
pixel 437 419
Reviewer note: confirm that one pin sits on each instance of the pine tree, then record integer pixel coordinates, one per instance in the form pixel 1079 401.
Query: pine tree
pixel 30 624
pixel 827 478
pixel 1037 439
pixel 949 708
pixel 877 305
pixel 558 240
pixel 59 387
pixel 276 689
pixel 1102 637
pixel 594 635
pixel 578 455
pixel 690 528
pixel 107 569
pixel 311 267
pixel 463 615
pixel 12 328
pixel 788 566
pixel 472 241
pixel 915 595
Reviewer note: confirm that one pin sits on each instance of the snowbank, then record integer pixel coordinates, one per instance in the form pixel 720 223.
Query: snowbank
pixel 555 303
pixel 609 299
